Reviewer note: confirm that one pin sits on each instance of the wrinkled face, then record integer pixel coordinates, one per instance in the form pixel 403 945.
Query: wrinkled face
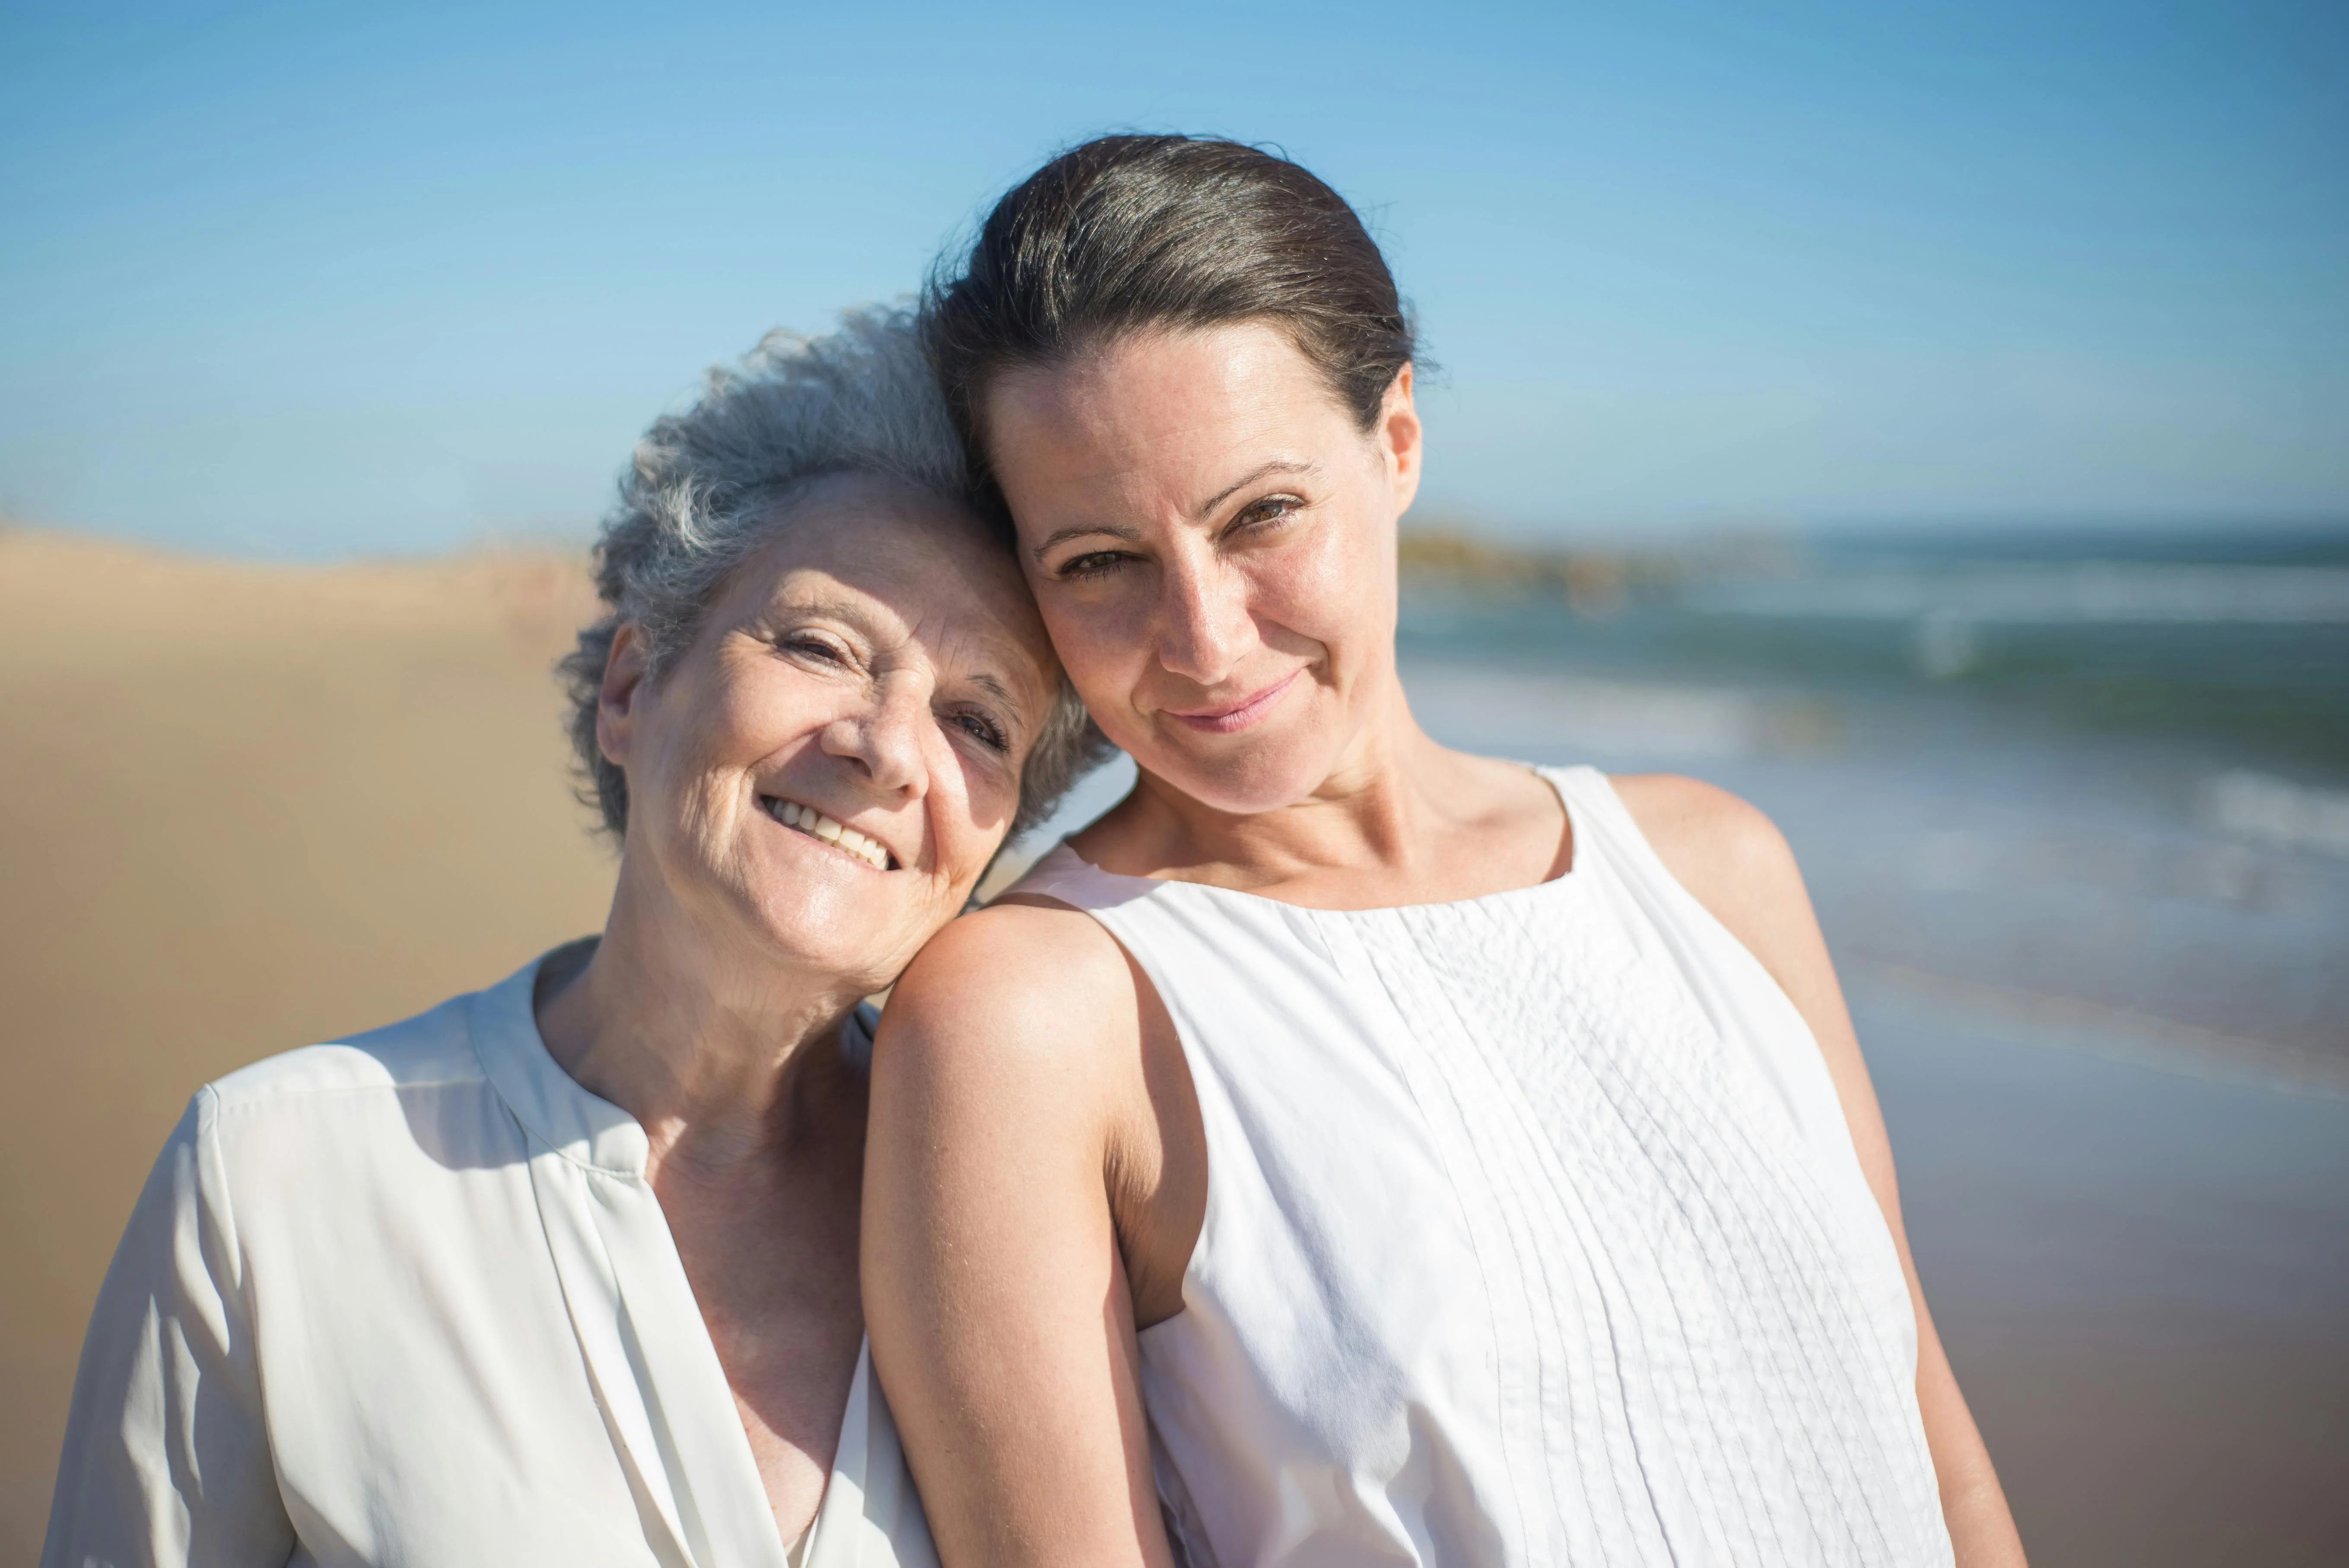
pixel 823 774
pixel 1211 538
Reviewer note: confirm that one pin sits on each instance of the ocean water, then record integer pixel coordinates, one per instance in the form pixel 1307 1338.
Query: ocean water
pixel 2101 791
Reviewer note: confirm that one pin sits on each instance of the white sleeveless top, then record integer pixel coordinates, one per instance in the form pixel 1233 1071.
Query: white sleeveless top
pixel 1534 1234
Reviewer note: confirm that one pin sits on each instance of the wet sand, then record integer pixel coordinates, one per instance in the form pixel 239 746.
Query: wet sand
pixel 2142 1281
pixel 241 809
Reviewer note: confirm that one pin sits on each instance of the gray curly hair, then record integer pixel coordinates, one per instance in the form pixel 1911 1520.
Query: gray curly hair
pixel 705 492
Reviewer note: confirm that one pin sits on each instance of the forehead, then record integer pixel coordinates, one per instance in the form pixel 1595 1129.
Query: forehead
pixel 911 568
pixel 1159 401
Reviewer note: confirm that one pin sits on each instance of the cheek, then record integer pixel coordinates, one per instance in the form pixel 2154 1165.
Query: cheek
pixel 1101 636
pixel 1336 586
pixel 669 749
pixel 971 807
pixel 762 708
pixel 727 724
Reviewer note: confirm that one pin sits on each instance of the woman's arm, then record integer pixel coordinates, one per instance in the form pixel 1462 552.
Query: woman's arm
pixel 1736 863
pixel 167 1458
pixel 1004 1083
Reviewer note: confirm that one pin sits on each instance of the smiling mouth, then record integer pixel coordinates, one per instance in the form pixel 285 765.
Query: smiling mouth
pixel 815 825
pixel 1240 715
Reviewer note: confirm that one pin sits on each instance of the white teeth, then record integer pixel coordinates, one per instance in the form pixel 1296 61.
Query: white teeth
pixel 813 823
pixel 865 849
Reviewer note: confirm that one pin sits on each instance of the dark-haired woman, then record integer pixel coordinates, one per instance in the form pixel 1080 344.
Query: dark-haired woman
pixel 1349 1150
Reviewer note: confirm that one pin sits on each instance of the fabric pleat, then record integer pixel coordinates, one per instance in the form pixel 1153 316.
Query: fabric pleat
pixel 1534 1235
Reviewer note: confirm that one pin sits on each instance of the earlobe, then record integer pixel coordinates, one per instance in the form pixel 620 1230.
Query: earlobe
pixel 615 701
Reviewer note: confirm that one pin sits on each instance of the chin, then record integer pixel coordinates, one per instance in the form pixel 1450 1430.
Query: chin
pixel 1264 768
pixel 1251 782
pixel 864 969
pixel 829 935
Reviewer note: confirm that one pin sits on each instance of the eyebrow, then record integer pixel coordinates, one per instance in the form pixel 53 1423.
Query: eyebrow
pixel 1113 531
pixel 839 610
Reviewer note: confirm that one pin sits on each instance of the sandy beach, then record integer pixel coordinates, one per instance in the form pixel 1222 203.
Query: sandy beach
pixel 247 807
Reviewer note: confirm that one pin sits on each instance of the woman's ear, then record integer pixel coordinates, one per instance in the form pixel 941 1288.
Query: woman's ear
pixel 615 699
pixel 1397 435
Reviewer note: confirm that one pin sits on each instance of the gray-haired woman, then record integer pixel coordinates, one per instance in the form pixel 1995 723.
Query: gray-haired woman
pixel 566 1270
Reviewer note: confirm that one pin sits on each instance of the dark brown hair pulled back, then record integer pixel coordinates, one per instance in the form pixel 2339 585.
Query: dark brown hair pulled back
pixel 1128 233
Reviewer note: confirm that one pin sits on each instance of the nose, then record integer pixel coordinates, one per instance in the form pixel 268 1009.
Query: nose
pixel 1204 626
pixel 884 737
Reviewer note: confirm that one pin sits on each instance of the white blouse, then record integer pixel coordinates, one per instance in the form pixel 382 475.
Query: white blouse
pixel 409 1299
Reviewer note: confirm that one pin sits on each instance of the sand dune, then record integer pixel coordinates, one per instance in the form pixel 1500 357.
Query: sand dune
pixel 241 809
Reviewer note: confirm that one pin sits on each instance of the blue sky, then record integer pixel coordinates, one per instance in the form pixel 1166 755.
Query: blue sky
pixel 288 280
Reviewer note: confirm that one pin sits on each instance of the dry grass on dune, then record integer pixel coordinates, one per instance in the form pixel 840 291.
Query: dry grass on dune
pixel 241 809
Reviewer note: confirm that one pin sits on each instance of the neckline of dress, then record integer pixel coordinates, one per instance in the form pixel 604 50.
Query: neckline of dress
pixel 1571 875
pixel 574 1121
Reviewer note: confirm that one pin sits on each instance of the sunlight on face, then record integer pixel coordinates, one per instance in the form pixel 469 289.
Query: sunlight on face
pixel 1211 538
pixel 824 773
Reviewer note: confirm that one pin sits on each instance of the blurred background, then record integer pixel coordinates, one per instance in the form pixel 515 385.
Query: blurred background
pixel 1930 421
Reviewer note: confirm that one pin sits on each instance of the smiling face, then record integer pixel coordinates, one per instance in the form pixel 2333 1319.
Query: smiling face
pixel 822 775
pixel 1211 538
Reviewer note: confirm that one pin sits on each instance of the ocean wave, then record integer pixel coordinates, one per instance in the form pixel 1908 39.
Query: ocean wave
pixel 2141 593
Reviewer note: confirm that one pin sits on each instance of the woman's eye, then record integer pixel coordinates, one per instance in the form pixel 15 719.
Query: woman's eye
pixel 988 732
pixel 1271 509
pixel 813 647
pixel 1092 564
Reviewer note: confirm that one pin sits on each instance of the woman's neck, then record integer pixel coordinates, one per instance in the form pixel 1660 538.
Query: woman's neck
pixel 1399 820
pixel 721 1058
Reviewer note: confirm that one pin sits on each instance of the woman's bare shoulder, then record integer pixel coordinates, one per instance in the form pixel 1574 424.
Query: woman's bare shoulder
pixel 1725 851
pixel 1029 1015
pixel 1016 988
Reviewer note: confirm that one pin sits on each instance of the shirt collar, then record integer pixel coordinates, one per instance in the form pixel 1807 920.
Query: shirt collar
pixel 550 1103
pixel 582 1127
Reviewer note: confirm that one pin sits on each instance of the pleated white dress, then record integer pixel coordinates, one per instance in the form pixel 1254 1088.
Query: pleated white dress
pixel 409 1300
pixel 1534 1235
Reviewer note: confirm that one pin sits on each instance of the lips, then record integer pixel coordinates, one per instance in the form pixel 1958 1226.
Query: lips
pixel 1227 718
pixel 815 825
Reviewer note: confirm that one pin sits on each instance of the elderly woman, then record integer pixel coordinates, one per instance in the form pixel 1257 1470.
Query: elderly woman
pixel 566 1270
